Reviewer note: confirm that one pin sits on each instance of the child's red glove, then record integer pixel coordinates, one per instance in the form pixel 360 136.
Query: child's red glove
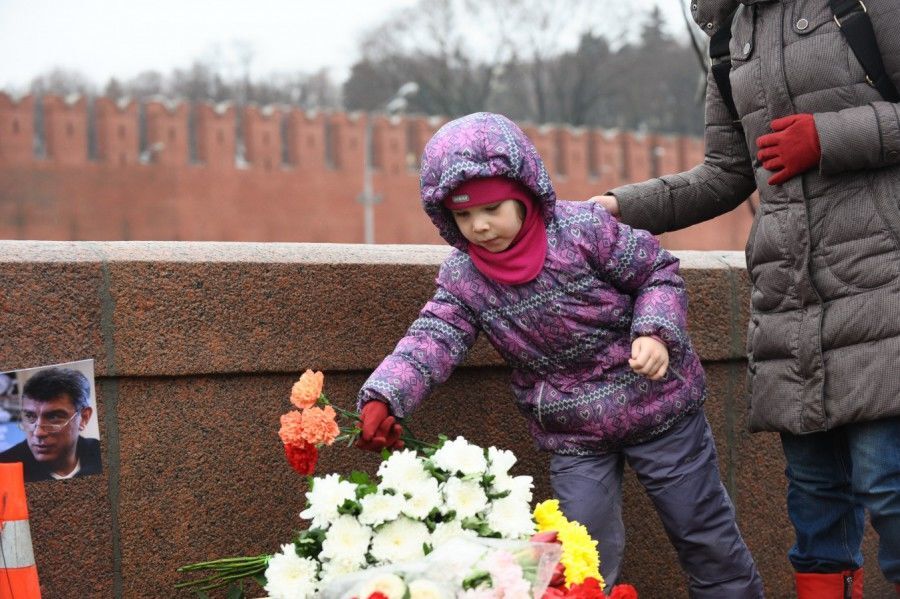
pixel 792 149
pixel 379 429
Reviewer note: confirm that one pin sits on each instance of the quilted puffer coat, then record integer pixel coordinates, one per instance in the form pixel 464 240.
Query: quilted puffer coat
pixel 567 334
pixel 824 250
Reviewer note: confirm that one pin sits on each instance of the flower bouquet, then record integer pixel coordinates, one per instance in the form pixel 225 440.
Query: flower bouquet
pixel 405 533
pixel 471 567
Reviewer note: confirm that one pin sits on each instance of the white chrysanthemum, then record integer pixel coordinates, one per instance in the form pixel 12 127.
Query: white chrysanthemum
pixel 511 518
pixel 423 499
pixel 289 576
pixel 500 461
pixel 465 497
pixel 402 471
pixel 460 456
pixel 390 585
pixel 347 539
pixel 425 589
pixel 519 487
pixel 400 540
pixel 444 531
pixel 328 494
pixel 337 567
pixel 378 508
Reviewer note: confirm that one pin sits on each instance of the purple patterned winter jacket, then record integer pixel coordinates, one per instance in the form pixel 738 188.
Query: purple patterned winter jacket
pixel 567 334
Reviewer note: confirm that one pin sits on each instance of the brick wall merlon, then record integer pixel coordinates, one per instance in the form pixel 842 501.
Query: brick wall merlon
pixel 306 140
pixel 544 140
pixel 216 134
pixel 117 131
pixel 636 149
pixel 572 153
pixel 388 144
pixel 262 136
pixel 16 129
pixel 167 132
pixel 66 129
pixel 666 154
pixel 345 133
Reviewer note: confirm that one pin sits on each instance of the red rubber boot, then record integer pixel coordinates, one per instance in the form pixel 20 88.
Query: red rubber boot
pixel 840 585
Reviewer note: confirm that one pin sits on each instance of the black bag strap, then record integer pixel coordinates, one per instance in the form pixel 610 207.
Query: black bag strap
pixel 720 64
pixel 854 22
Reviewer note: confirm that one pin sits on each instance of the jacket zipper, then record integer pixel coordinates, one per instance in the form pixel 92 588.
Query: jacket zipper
pixel 540 395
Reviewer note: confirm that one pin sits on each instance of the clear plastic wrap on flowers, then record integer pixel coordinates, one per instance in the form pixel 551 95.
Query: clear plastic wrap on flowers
pixel 466 567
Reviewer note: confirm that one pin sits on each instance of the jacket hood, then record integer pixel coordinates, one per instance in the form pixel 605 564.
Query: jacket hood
pixel 482 144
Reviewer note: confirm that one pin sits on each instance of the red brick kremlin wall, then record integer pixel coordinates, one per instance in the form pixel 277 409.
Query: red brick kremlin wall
pixel 104 170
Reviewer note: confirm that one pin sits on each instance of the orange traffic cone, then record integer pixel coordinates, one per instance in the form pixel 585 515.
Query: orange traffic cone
pixel 18 573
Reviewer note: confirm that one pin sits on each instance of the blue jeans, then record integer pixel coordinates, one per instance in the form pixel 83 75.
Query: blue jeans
pixel 833 477
pixel 680 474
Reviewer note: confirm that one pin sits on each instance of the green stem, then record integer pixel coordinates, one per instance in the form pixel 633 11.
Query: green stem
pixel 225 570
pixel 414 443
pixel 323 399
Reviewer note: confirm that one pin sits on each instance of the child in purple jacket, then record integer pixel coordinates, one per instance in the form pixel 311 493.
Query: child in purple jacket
pixel 590 316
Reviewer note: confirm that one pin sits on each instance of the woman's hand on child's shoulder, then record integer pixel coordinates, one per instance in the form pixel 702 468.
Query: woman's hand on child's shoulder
pixel 608 201
pixel 649 357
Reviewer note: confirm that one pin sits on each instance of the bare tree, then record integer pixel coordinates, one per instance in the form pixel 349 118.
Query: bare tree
pixel 433 45
pixel 62 82
pixel 537 60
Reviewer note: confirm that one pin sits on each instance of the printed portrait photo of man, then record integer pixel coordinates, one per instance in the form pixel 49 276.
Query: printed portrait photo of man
pixel 56 408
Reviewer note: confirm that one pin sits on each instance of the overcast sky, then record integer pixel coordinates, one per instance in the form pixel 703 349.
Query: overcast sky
pixel 121 38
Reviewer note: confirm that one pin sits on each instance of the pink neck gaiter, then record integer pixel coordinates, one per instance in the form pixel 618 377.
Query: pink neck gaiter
pixel 524 258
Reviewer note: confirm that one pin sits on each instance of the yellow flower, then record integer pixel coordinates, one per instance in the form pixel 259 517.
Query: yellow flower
pixel 547 515
pixel 579 555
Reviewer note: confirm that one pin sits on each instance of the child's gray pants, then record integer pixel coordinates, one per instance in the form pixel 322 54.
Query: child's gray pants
pixel 680 474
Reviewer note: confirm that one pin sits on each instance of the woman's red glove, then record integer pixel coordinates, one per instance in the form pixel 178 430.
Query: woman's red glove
pixel 792 149
pixel 379 429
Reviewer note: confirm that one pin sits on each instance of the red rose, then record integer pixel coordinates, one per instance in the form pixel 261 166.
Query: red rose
pixel 588 589
pixel 378 595
pixel 624 591
pixel 302 457
pixel 554 593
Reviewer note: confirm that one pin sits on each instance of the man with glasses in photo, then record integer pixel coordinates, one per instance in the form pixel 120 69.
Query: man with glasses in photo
pixel 56 408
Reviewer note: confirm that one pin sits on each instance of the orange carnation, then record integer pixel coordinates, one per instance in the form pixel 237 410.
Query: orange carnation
pixel 307 390
pixel 319 425
pixel 291 431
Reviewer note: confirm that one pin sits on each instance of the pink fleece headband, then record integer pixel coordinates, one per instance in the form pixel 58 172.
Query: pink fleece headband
pixel 478 192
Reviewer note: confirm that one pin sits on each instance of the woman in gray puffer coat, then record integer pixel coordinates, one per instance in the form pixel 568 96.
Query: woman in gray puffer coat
pixel 590 315
pixel 823 148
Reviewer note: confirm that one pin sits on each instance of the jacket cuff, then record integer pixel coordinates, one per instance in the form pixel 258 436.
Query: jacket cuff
pixel 644 205
pixel 366 395
pixel 858 138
